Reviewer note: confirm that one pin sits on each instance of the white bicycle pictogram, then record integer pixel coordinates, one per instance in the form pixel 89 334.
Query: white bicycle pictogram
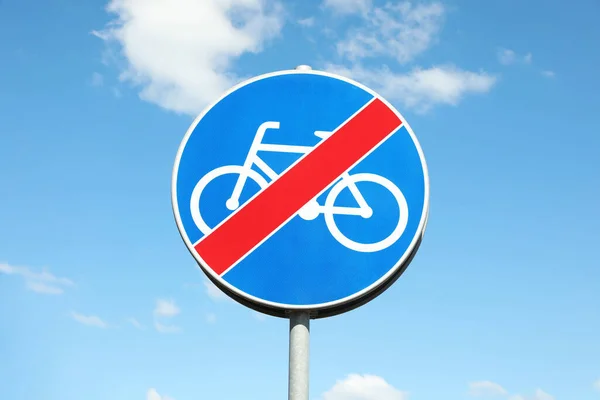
pixel 312 209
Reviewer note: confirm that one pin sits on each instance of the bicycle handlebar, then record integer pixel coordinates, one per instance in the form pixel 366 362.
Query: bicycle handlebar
pixel 275 125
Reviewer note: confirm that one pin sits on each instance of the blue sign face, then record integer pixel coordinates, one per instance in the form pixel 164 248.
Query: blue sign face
pixel 301 190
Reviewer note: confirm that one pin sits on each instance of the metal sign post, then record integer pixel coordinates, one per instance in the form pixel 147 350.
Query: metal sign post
pixel 313 238
pixel 299 356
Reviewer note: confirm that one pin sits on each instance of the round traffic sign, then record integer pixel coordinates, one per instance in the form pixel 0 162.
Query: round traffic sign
pixel 301 190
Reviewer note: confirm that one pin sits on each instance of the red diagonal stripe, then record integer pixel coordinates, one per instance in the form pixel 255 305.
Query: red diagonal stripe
pixel 279 201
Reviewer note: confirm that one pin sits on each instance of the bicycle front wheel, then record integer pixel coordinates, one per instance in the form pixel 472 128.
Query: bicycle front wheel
pixel 366 247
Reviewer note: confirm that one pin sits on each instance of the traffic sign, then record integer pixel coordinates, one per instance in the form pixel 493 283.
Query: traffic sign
pixel 301 190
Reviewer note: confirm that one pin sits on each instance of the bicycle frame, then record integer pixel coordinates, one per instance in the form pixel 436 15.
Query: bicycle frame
pixel 312 207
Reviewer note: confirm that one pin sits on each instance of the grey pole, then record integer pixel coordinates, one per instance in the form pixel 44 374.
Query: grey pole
pixel 299 356
pixel 299 343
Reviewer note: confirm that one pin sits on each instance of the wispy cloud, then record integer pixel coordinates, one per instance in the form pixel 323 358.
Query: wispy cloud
pixel 166 308
pixel 364 387
pixel 510 57
pixel 549 74
pixel 154 395
pixel 489 389
pixel 597 385
pixel 485 389
pixel 400 30
pixel 40 282
pixel 506 56
pixel 166 328
pixel 136 323
pixel 163 310
pixel 348 6
pixel 541 395
pixel 44 288
pixel 373 387
pixel 214 292
pixel 200 69
pixel 89 320
pixel 421 89
pixel 310 21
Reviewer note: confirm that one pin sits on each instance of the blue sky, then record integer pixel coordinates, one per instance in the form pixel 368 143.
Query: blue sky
pixel 100 298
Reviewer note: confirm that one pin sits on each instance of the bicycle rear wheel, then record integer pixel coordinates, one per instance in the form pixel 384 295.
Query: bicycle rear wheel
pixel 196 197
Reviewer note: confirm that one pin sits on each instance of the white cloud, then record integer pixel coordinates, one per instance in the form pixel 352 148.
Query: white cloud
pixel 6 269
pixel 506 56
pixel 421 89
pixel 310 21
pixel 541 395
pixel 509 57
pixel 89 320
pixel 549 74
pixel 486 388
pixel 40 282
pixel 214 292
pixel 153 395
pixel 372 387
pixel 348 6
pixel 166 328
pixel 364 387
pixel 179 52
pixel 44 288
pixel 401 31
pixel 136 323
pixel 491 389
pixel 166 308
pixel 597 385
